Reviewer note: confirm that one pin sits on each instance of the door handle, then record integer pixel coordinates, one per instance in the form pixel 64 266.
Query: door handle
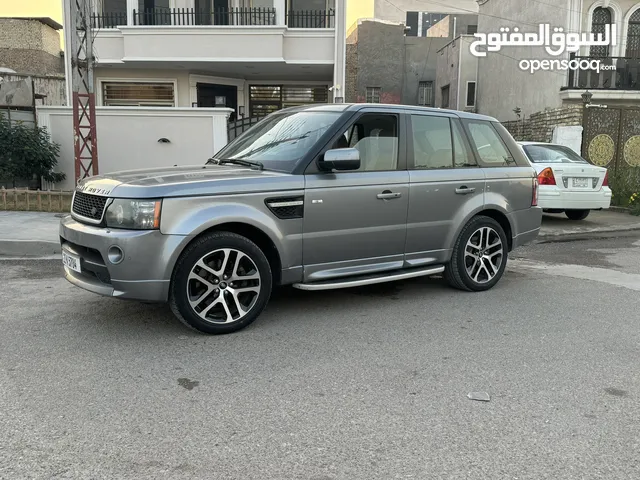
pixel 463 190
pixel 388 195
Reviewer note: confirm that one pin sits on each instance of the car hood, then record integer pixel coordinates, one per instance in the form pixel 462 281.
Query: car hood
pixel 187 181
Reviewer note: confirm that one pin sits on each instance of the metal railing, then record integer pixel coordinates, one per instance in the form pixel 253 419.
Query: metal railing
pixel 218 16
pixel 311 18
pixel 625 74
pixel 108 19
pixel 237 128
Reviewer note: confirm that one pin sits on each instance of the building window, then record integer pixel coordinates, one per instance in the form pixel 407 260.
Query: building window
pixel 601 17
pixel 471 94
pixel 444 95
pixel 138 94
pixel 373 95
pixel 472 29
pixel 425 94
pixel 266 99
pixel 633 35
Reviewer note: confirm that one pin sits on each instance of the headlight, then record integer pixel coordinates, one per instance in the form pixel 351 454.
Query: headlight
pixel 134 214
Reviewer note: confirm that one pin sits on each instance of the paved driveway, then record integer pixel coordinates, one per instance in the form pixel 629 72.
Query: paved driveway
pixel 367 383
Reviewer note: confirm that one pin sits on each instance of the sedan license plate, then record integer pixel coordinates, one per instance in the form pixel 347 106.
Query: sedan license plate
pixel 581 182
pixel 71 261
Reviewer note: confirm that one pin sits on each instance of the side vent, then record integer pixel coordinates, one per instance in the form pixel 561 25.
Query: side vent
pixel 287 207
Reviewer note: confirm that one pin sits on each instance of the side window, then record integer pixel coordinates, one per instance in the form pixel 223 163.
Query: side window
pixel 462 155
pixel 488 144
pixel 431 142
pixel 375 136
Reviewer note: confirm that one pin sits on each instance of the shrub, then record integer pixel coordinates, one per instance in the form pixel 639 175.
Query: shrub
pixel 27 152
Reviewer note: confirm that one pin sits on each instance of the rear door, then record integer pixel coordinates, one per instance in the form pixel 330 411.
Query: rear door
pixel 445 185
pixel 509 175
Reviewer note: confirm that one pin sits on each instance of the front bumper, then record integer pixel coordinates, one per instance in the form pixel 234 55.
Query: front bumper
pixel 554 198
pixel 143 274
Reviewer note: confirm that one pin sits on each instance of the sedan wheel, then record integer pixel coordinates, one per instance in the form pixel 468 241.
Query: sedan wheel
pixel 221 283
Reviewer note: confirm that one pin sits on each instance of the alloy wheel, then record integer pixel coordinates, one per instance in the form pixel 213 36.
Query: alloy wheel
pixel 223 286
pixel 483 255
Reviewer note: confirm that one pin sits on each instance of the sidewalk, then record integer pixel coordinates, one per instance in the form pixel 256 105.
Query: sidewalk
pixel 35 234
pixel 30 234
pixel 559 227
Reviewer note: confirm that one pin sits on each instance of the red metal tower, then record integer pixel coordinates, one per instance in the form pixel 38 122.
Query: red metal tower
pixel 83 96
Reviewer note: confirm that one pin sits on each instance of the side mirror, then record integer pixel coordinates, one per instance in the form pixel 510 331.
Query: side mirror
pixel 340 159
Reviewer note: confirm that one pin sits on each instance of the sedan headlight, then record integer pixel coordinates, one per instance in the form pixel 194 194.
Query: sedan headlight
pixel 134 214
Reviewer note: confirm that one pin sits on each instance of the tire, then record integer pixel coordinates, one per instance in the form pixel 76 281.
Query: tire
pixel 229 294
pixel 465 255
pixel 577 214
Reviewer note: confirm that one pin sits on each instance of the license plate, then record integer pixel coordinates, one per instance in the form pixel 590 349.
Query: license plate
pixel 71 261
pixel 581 182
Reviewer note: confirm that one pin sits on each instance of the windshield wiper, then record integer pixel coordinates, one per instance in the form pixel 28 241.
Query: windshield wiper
pixel 236 161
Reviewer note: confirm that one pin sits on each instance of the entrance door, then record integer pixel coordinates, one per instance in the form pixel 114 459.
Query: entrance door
pixel 212 95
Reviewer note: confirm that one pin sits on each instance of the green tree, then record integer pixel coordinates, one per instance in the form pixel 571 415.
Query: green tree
pixel 27 152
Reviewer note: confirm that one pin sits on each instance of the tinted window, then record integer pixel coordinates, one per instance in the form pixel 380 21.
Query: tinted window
pixel 488 144
pixel 376 138
pixel 552 154
pixel 431 142
pixel 281 140
pixel 461 152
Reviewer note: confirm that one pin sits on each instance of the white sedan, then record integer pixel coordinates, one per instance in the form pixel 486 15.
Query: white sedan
pixel 568 183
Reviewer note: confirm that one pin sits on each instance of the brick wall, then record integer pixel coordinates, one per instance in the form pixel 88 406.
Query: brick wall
pixel 538 127
pixel 351 73
pixel 29 46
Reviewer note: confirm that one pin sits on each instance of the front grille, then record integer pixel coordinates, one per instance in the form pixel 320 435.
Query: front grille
pixel 89 206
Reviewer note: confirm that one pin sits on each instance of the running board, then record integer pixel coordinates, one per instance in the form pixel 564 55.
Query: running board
pixel 368 279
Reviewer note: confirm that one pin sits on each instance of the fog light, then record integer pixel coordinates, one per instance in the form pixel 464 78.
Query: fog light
pixel 116 255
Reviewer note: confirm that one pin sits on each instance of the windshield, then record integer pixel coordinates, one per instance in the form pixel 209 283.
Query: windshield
pixel 552 154
pixel 280 140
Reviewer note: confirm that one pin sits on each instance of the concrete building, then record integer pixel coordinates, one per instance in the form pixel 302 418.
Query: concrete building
pixel 403 10
pixel 504 86
pixel 457 75
pixel 31 45
pixel 386 66
pixel 254 57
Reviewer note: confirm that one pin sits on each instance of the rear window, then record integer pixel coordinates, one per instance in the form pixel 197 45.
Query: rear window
pixel 552 154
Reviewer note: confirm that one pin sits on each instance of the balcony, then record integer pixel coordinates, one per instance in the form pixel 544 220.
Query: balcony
pixel 625 75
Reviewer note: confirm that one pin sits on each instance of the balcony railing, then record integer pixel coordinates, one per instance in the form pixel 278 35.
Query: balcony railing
pixel 625 74
pixel 311 18
pixel 218 16
pixel 108 19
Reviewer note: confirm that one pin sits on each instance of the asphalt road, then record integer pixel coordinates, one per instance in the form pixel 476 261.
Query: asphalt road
pixel 356 384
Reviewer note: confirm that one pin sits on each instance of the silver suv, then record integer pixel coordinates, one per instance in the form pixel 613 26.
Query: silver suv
pixel 317 197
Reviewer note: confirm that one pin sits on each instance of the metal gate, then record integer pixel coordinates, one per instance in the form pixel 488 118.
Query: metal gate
pixel 612 139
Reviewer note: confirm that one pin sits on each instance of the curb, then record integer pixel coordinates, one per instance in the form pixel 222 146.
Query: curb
pixel 587 234
pixel 28 248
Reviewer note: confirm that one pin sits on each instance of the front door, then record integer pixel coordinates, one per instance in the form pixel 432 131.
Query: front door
pixel 355 222
pixel 210 95
pixel 446 185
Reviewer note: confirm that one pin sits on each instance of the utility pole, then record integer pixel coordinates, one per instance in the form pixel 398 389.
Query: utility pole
pixel 83 96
